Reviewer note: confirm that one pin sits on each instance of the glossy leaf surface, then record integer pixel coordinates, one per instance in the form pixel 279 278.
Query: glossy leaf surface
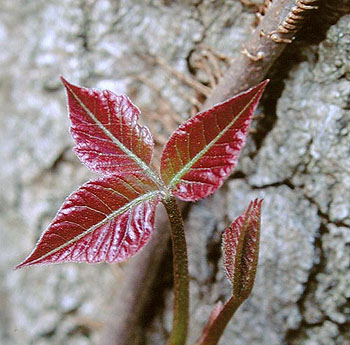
pixel 109 219
pixel 241 249
pixel 203 151
pixel 105 127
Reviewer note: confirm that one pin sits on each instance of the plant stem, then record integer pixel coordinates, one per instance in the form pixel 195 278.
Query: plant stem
pixel 217 327
pixel 181 282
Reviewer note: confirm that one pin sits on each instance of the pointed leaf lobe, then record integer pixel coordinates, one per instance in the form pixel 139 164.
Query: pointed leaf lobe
pixel 105 128
pixel 203 151
pixel 109 219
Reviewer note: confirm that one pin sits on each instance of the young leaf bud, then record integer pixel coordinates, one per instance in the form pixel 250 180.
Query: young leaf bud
pixel 241 250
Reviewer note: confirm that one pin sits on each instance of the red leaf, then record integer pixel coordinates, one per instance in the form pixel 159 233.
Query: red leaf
pixel 203 151
pixel 108 138
pixel 241 249
pixel 109 219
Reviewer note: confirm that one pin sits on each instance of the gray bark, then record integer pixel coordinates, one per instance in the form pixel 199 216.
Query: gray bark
pixel 301 168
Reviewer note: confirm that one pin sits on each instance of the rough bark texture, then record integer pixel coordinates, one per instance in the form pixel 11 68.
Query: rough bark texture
pixel 298 161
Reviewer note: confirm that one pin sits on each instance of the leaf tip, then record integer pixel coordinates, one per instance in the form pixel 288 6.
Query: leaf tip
pixel 69 86
pixel 24 263
pixel 63 80
pixel 30 260
pixel 256 207
pixel 260 88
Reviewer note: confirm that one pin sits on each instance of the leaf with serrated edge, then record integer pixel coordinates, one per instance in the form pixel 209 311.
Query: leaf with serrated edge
pixel 241 249
pixel 105 127
pixel 203 151
pixel 108 219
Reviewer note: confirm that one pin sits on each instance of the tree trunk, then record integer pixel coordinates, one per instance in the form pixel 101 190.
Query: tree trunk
pixel 168 56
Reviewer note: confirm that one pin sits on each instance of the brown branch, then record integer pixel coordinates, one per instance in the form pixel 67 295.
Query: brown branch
pixel 264 46
pixel 262 49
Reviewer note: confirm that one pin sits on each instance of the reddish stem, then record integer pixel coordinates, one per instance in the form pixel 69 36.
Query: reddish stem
pixel 217 327
pixel 181 281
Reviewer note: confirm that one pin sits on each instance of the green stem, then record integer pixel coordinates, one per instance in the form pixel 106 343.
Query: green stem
pixel 216 329
pixel 181 282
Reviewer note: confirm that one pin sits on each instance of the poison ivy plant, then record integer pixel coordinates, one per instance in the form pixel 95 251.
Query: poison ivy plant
pixel 111 218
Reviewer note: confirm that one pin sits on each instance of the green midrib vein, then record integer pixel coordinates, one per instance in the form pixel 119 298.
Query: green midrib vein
pixel 108 218
pixel 187 167
pixel 150 173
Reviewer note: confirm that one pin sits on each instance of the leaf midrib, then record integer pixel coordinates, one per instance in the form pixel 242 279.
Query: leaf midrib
pixel 108 218
pixel 176 179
